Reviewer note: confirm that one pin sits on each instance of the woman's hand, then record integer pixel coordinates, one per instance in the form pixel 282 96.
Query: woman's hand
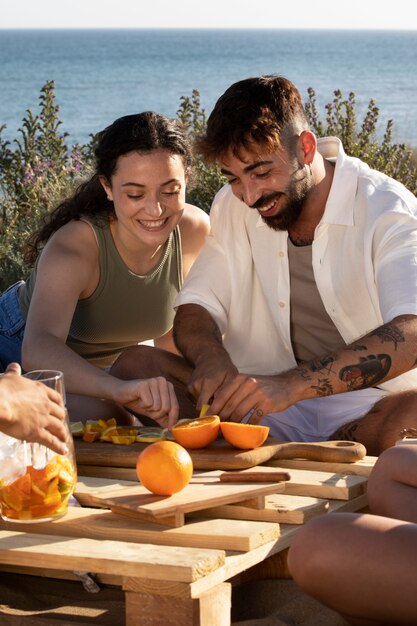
pixel 32 411
pixel 153 397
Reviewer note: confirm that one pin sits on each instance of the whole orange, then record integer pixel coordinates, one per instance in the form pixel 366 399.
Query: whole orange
pixel 197 433
pixel 164 468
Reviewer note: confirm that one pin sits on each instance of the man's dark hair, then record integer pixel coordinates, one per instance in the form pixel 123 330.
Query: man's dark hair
pixel 264 111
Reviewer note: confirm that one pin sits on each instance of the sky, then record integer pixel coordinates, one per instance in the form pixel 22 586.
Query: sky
pixel 333 14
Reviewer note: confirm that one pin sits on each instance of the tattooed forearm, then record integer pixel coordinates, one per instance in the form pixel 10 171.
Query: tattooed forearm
pixel 304 372
pixel 389 332
pixel 358 348
pixel 368 372
pixel 324 387
pixel 322 365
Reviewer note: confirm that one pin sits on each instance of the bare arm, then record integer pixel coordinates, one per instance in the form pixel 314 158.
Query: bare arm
pixel 384 353
pixel 68 271
pixel 194 227
pixel 31 411
pixel 198 338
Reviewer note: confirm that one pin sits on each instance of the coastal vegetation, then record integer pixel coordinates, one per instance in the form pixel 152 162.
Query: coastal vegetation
pixel 41 165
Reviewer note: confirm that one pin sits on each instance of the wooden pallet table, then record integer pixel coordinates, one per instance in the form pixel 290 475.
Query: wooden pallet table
pixel 177 573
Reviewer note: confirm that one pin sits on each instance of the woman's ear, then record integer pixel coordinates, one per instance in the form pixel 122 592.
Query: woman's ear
pixel 107 188
pixel 308 146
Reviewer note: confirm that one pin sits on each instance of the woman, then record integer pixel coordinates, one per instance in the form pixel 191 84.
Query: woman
pixel 113 258
pixel 362 565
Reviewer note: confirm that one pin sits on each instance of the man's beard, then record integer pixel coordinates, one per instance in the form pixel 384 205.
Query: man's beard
pixel 296 193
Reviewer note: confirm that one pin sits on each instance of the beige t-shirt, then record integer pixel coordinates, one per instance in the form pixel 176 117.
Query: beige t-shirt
pixel 312 330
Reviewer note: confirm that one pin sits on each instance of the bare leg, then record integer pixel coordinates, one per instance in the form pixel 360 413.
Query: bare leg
pixel 380 428
pixel 392 484
pixel 147 362
pixel 362 566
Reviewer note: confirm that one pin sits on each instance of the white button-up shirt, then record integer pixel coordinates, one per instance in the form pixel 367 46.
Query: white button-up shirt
pixel 364 257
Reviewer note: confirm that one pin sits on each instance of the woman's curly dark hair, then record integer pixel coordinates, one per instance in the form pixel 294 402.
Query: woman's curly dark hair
pixel 142 132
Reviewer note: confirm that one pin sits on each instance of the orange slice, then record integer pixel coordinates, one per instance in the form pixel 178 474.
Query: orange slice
pixel 197 433
pixel 123 440
pixel 77 429
pixel 244 436
pixel 91 436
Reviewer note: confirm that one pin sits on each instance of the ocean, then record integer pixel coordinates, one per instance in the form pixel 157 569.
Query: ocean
pixel 102 74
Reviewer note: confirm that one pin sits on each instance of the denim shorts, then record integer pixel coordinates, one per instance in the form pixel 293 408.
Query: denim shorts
pixel 12 326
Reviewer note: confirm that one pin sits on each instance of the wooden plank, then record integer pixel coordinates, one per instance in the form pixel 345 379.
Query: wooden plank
pixel 279 508
pixel 100 579
pixel 303 482
pixel 353 505
pixel 100 471
pixel 325 485
pixel 360 468
pixel 223 534
pixel 220 455
pixel 204 490
pixel 153 609
pixel 179 564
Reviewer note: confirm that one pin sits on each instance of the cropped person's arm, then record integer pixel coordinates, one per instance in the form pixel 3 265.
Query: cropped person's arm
pixel 31 411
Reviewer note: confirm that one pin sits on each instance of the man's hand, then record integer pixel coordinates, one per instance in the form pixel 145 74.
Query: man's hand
pixel 259 394
pixel 31 411
pixel 209 376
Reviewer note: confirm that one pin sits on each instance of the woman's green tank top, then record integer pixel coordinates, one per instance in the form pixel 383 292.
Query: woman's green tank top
pixel 125 308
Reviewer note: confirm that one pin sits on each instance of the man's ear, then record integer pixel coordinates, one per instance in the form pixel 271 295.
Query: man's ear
pixel 106 186
pixel 307 146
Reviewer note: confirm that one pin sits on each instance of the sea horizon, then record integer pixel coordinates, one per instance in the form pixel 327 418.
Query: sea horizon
pixel 103 73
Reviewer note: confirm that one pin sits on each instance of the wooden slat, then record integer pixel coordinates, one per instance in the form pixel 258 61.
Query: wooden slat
pixel 324 485
pixel 204 490
pixel 360 468
pixel 281 508
pixel 303 482
pixel 224 534
pixel 127 559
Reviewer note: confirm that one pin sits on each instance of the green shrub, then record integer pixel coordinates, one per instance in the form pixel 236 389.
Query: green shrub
pixel 395 160
pixel 35 173
pixel 205 181
pixel 38 168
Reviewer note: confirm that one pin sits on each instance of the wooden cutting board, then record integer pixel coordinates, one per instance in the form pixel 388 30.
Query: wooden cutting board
pixel 205 490
pixel 220 455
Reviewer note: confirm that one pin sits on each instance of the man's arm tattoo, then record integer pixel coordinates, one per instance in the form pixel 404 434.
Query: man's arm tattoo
pixel 324 387
pixel 389 332
pixel 368 372
pixel 322 365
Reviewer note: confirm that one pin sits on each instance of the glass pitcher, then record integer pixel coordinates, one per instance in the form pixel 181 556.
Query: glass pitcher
pixel 36 483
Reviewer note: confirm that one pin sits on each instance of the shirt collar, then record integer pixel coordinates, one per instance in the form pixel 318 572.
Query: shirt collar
pixel 340 203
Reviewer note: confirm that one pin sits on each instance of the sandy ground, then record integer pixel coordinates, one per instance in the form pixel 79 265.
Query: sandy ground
pixel 31 601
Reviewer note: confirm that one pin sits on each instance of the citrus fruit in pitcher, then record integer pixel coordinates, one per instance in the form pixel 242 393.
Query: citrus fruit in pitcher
pixel 197 433
pixel 39 494
pixel 244 436
pixel 164 468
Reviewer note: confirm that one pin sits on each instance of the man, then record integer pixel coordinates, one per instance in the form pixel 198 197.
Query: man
pixel 301 310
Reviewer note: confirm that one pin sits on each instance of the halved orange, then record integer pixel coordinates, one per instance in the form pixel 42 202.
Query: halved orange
pixel 244 436
pixel 197 433
pixel 164 468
